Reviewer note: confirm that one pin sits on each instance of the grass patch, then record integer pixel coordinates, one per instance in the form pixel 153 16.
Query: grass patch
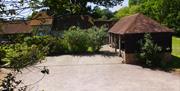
pixel 176 46
pixel 175 53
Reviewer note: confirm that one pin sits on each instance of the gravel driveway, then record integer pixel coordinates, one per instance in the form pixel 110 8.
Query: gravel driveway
pixel 103 72
pixel 97 73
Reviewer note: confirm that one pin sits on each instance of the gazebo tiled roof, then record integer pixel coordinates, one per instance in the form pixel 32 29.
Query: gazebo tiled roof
pixel 137 23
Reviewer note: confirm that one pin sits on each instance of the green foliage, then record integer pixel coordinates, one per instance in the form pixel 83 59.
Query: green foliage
pixel 52 45
pixel 15 38
pixel 75 40
pixel 136 2
pixel 2 55
pixel 150 54
pixel 97 38
pixel 21 55
pixel 57 47
pixel 126 11
pixel 78 40
pixel 164 11
pixel 38 40
pixel 103 14
pixel 176 46
pixel 63 7
pixel 32 49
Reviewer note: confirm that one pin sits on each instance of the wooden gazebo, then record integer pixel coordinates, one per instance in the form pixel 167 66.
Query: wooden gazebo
pixel 126 33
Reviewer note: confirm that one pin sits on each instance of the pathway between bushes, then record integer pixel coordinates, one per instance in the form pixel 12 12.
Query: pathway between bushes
pixel 101 72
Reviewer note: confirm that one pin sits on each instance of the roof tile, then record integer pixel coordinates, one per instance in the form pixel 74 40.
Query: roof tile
pixel 137 23
pixel 12 28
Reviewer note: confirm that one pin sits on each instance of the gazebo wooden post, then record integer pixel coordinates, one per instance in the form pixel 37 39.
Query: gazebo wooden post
pixel 109 38
pixel 115 43
pixel 119 45
pixel 112 42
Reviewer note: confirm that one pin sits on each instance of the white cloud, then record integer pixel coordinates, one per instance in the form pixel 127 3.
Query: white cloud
pixel 113 9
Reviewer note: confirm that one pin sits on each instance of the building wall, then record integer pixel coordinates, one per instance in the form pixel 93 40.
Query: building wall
pixel 164 40
pixel 42 29
pixel 107 23
pixel 64 22
pixel 130 58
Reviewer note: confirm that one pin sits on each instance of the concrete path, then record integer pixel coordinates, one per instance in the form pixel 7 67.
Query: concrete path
pixel 96 73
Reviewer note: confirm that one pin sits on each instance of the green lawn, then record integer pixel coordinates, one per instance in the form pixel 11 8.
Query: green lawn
pixel 176 53
pixel 176 46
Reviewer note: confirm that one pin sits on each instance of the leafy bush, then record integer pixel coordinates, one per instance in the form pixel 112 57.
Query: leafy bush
pixel 38 40
pixel 97 38
pixel 21 55
pixel 53 45
pixel 78 40
pixel 32 49
pixel 2 55
pixel 150 54
pixel 57 47
pixel 15 38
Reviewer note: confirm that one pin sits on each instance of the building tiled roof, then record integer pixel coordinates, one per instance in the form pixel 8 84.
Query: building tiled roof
pixel 64 22
pixel 42 18
pixel 37 22
pixel 137 23
pixel 15 28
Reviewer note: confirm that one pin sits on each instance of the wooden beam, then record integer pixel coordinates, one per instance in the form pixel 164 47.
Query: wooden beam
pixel 109 38
pixel 115 43
pixel 119 45
pixel 112 40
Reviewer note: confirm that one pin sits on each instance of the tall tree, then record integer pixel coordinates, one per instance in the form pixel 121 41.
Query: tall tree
pixel 61 7
pixel 104 14
pixel 166 12
pixel 136 2
pixel 125 11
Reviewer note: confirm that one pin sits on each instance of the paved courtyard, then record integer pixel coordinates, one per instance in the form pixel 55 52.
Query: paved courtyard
pixel 96 73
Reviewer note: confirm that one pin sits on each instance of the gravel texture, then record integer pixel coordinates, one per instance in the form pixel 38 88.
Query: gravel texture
pixel 101 72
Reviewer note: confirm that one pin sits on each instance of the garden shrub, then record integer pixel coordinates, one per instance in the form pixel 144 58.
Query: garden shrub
pixel 150 54
pixel 2 55
pixel 79 41
pixel 32 49
pixel 15 38
pixel 97 38
pixel 21 55
pixel 38 40
pixel 76 40
pixel 57 47
pixel 54 45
